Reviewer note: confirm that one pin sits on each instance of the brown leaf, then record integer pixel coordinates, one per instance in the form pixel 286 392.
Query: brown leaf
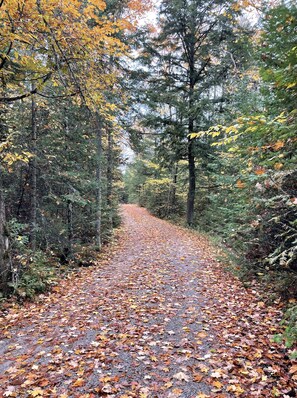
pixel 293 369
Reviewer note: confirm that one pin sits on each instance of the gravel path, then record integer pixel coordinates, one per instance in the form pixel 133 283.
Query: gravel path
pixel 138 325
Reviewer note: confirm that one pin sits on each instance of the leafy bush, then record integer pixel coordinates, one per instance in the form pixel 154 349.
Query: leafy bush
pixel 290 333
pixel 290 320
pixel 36 275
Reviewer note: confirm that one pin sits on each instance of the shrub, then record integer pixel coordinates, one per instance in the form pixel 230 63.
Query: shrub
pixel 36 275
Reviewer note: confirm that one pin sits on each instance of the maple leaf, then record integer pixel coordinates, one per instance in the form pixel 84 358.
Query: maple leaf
pixel 175 393
pixel 259 171
pixel 203 368
pixel 217 384
pixel 198 377
pixel 78 383
pixel 235 388
pixel 216 373
pixel 10 392
pixel 36 392
pixel 144 392
pixel 278 145
pixel 107 389
pixel 293 369
pixel 240 184
pixel 181 376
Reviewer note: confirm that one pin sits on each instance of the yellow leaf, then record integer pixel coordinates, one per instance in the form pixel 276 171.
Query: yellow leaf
pixel 217 384
pixel 37 392
pixel 235 388
pixel 278 166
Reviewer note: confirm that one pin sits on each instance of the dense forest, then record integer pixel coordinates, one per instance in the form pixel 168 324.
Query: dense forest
pixel 205 92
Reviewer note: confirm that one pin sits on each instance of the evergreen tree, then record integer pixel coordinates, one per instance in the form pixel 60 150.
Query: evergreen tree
pixel 191 58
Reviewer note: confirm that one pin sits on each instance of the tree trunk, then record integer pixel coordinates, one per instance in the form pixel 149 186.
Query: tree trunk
pixel 98 238
pixel 5 263
pixel 172 191
pixel 109 179
pixel 191 157
pixel 33 175
pixel 69 227
pixel 192 184
pixel 174 182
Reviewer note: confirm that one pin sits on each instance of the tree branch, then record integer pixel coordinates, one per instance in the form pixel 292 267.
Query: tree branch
pixel 26 95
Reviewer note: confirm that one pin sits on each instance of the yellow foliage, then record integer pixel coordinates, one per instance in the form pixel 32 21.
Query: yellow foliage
pixel 54 39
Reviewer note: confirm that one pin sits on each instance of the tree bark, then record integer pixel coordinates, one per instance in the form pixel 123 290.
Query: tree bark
pixel 191 157
pixel 98 237
pixel 69 227
pixel 109 179
pixel 5 263
pixel 174 182
pixel 192 184
pixel 33 174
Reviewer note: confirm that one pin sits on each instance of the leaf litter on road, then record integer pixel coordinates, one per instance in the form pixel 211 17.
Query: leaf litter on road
pixel 160 318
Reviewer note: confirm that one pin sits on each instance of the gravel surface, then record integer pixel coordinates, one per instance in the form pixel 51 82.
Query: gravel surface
pixel 134 326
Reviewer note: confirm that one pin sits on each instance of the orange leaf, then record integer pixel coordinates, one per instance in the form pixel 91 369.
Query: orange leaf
pixel 240 184
pixel 278 145
pixel 259 171
pixel 78 383
pixel 198 377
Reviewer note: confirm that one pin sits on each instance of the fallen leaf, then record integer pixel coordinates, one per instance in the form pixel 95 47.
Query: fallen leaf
pixel 78 383
pixel 181 376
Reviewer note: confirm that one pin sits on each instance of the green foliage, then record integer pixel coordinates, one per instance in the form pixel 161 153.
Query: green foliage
pixel 279 55
pixel 36 275
pixel 253 202
pixel 17 233
pixel 290 333
pixel 151 186
pixel 155 196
